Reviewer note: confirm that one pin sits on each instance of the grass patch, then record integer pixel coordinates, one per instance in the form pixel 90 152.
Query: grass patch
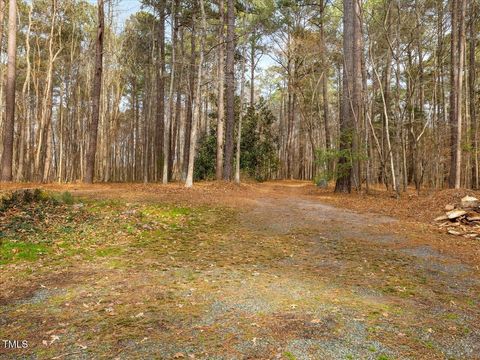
pixel 451 316
pixel 109 252
pixel 12 251
pixel 383 357
pixel 38 223
pixel 289 356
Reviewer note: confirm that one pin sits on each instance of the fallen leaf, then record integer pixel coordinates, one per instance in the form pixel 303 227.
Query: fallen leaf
pixel 54 338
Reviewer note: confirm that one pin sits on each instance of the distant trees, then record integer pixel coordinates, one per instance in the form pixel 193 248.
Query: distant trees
pixel 258 146
pixel 394 102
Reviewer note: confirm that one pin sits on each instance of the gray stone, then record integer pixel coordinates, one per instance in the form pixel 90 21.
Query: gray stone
pixel 455 214
pixel 470 202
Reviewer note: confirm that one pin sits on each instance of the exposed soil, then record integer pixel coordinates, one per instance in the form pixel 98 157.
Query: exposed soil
pixel 279 270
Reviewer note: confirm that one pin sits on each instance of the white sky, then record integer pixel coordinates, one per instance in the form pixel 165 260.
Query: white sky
pixel 125 8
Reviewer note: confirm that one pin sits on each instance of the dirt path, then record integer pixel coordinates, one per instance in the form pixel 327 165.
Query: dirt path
pixel 259 273
pixel 405 300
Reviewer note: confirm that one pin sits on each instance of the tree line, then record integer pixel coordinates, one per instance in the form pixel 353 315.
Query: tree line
pixel 360 92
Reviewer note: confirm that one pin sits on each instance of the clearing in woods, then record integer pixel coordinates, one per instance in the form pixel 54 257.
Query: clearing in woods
pixel 261 271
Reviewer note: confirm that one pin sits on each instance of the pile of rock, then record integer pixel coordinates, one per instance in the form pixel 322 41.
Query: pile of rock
pixel 462 220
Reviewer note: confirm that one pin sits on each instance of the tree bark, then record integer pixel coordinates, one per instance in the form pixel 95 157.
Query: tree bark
pixel 471 94
pixel 191 96
pixel 350 99
pixel 8 130
pixel 96 91
pixel 175 111
pixel 169 123
pixel 230 91
pixel 253 44
pixel 458 10
pixel 197 101
pixel 221 93
pixel 357 93
pixel 240 118
pixel 325 85
pixel 2 16
pixel 160 79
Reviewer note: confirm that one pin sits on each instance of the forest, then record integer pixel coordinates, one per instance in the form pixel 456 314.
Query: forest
pixel 240 179
pixel 373 92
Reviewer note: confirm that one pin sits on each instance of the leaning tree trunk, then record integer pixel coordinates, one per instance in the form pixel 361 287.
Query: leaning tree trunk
pixel 8 130
pixel 96 90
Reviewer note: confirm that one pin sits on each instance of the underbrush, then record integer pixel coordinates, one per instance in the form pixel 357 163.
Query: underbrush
pixel 30 220
pixel 58 227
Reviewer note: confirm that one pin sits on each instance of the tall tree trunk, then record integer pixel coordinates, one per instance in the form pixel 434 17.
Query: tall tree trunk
pixel 325 85
pixel 3 6
pixel 25 159
pixel 176 104
pixel 8 130
pixel 171 110
pixel 253 45
pixel 221 93
pixel 350 98
pixel 96 91
pixel 357 93
pixel 458 10
pixel 471 94
pixel 45 132
pixel 160 79
pixel 178 110
pixel 2 18
pixel 389 149
pixel 197 101
pixel 191 96
pixel 240 118
pixel 453 82
pixel 230 91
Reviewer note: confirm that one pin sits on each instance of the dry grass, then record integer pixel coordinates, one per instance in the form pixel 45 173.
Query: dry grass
pixel 423 207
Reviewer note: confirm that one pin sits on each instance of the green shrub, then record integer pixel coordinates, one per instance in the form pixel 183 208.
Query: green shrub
pixel 67 198
pixel 258 159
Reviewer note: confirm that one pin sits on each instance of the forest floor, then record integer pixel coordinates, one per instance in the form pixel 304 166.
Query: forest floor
pixel 279 270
